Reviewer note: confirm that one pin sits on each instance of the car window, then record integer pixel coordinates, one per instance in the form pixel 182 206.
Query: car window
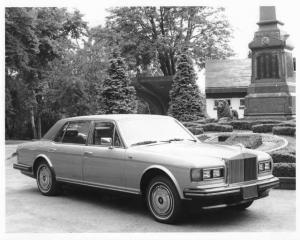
pixel 60 133
pixel 103 130
pixel 76 132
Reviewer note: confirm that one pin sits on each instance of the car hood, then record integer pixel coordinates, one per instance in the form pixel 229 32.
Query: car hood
pixel 204 153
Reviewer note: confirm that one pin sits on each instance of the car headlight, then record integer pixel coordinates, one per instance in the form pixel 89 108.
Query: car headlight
pixel 264 166
pixel 198 174
pixel 267 166
pixel 261 167
pixel 206 174
pixel 216 173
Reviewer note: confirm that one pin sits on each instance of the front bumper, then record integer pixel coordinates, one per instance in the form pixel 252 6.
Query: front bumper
pixel 242 191
pixel 22 167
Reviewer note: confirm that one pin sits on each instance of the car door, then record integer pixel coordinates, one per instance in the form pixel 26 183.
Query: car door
pixel 103 157
pixel 66 150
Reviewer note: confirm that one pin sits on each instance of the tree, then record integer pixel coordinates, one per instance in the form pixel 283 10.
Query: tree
pixel 186 101
pixel 154 36
pixel 34 38
pixel 118 95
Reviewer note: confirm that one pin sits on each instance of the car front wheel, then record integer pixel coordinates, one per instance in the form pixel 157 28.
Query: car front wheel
pixel 163 200
pixel 46 180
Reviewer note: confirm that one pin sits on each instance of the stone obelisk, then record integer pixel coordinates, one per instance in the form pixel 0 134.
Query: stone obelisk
pixel 271 94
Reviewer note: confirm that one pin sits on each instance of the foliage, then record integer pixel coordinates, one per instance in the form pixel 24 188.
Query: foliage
pixel 283 156
pixel 119 96
pixel 279 130
pixel 186 101
pixel 142 107
pixel 34 38
pixel 247 124
pixel 263 128
pixel 284 169
pixel 214 127
pixel 151 37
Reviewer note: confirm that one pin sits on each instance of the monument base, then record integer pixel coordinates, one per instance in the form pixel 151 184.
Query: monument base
pixel 275 106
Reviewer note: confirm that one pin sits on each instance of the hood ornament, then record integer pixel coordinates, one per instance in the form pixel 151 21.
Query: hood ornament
pixel 242 146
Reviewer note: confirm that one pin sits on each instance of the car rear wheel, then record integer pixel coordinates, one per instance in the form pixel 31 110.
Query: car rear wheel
pixel 163 200
pixel 46 181
pixel 241 206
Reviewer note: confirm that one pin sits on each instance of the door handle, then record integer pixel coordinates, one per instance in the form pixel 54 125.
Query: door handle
pixel 86 153
pixel 52 149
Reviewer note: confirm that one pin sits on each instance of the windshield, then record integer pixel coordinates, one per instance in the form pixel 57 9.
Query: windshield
pixel 146 131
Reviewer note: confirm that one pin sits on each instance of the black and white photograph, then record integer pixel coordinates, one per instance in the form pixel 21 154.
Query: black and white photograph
pixel 165 119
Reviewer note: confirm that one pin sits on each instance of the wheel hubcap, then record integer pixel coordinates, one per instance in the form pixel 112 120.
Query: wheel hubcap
pixel 161 200
pixel 45 178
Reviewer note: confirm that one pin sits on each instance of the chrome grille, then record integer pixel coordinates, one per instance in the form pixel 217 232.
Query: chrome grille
pixel 241 170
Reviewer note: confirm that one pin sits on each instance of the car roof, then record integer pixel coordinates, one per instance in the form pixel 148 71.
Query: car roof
pixel 116 117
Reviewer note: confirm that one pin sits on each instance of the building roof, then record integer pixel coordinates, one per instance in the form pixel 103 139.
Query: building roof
pixel 227 75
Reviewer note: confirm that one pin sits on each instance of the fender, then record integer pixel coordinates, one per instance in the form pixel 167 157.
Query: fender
pixel 168 172
pixel 45 157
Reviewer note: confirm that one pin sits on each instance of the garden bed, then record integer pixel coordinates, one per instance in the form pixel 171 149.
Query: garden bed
pixel 262 142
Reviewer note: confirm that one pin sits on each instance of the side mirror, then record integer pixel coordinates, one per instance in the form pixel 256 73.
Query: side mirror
pixel 107 141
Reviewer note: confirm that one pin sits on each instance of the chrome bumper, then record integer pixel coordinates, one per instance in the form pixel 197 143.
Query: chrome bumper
pixel 261 186
pixel 22 167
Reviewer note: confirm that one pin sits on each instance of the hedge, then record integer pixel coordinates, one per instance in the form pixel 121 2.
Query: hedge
pixel 287 124
pixel 217 127
pixel 284 169
pixel 190 124
pixel 283 157
pixel 263 128
pixel 289 131
pixel 195 130
pixel 247 124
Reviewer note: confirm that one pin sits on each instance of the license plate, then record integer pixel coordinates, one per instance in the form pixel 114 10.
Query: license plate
pixel 250 192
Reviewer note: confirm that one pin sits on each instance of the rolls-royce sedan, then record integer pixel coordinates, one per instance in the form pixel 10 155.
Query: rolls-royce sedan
pixel 151 155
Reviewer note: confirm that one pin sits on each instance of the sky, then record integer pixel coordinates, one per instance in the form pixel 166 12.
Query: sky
pixel 243 19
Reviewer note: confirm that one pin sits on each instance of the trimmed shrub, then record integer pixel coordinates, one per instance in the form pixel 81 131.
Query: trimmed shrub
pixel 289 131
pixel 284 169
pixel 211 120
pixel 283 157
pixel 118 94
pixel 190 124
pixel 252 141
pixel 262 128
pixel 214 127
pixel 187 103
pixel 195 130
pixel 200 121
pixel 286 124
pixel 241 124
pixel 247 124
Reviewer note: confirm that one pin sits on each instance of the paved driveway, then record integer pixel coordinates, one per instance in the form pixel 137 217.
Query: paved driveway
pixel 90 210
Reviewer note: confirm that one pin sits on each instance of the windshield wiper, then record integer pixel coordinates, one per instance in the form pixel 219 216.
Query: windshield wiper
pixel 177 139
pixel 173 140
pixel 143 143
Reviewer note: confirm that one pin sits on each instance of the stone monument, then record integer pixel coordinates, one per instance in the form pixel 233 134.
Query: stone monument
pixel 271 94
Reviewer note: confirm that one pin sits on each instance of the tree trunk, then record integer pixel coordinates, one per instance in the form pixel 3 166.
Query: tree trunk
pixel 39 126
pixel 33 123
